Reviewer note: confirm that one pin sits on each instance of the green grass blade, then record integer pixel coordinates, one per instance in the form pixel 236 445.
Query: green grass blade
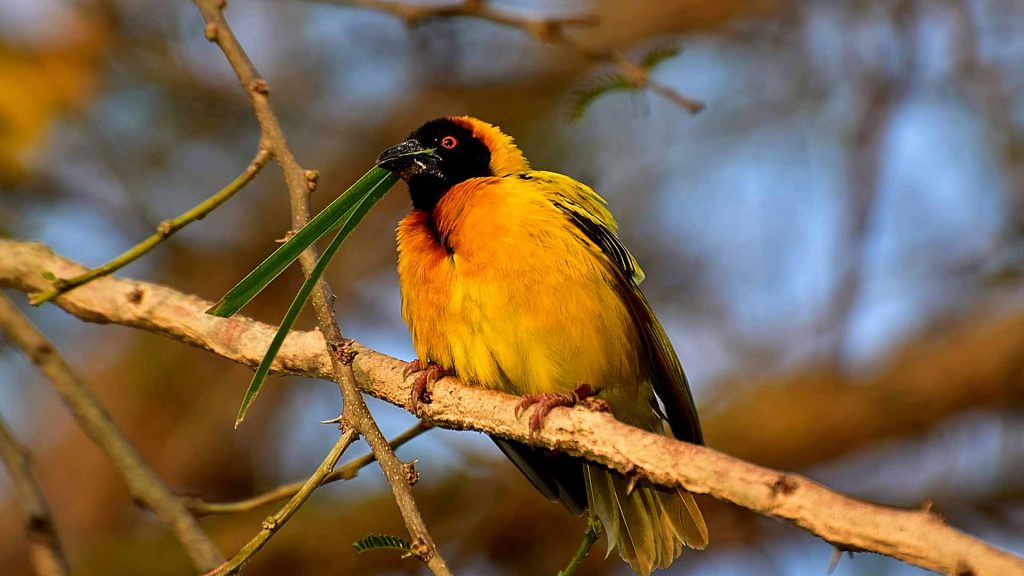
pixel 319 226
pixel 347 222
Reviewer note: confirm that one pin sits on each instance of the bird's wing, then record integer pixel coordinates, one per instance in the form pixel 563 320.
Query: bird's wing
pixel 589 212
pixel 585 209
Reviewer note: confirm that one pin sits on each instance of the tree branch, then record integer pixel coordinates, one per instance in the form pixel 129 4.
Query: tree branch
pixel 274 523
pixel 45 551
pixel 166 229
pixel 346 472
pixel 917 537
pixel 543 28
pixel 355 414
pixel 547 29
pixel 142 482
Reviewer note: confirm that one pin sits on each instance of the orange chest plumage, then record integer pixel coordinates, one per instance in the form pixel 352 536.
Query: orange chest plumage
pixel 498 287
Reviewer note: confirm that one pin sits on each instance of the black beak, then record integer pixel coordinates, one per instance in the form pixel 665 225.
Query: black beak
pixel 410 158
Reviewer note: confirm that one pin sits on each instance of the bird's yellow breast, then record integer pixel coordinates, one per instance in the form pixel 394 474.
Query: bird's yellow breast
pixel 497 285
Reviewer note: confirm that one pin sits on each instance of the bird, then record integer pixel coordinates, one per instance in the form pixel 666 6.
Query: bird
pixel 515 280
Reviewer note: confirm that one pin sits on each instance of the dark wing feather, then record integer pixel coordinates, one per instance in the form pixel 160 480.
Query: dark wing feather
pixel 662 364
pixel 558 476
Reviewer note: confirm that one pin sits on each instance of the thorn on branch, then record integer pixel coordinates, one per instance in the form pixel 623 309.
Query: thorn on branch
pixel 833 563
pixel 342 351
pixel 312 179
pixel 412 476
pixel 259 86
pixel 632 479
pixel 420 549
pixel 165 229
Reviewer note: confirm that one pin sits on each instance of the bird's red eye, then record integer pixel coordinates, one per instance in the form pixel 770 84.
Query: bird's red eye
pixel 449 142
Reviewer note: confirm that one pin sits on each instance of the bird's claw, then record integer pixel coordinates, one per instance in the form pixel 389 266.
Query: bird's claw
pixel 412 367
pixel 426 374
pixel 548 401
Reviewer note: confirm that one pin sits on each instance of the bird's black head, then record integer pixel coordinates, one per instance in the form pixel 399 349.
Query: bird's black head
pixel 437 156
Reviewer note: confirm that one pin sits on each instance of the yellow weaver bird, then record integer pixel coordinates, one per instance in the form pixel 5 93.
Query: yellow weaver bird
pixel 514 279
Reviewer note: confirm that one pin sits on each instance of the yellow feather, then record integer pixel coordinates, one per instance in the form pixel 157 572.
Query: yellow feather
pixel 515 282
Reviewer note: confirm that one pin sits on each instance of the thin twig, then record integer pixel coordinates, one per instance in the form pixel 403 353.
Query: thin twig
pixel 274 523
pixel 547 29
pixel 142 482
pixel 166 229
pixel 918 537
pixel 346 472
pixel 300 183
pixel 45 552
pixel 590 536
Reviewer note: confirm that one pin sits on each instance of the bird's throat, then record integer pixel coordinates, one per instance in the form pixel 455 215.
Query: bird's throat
pixel 426 191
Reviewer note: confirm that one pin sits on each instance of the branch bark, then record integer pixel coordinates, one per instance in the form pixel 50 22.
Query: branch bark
pixel 300 182
pixel 45 551
pixel 917 537
pixel 142 482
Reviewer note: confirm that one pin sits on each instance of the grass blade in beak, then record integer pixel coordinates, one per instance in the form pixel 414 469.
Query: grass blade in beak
pixel 348 221
pixel 374 181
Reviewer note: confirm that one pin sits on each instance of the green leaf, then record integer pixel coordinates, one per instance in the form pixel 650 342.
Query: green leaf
pixel 585 97
pixel 658 55
pixel 381 542
pixel 49 276
pixel 319 226
pixel 347 222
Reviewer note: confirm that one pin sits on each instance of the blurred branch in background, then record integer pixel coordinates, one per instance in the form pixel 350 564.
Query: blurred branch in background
pixel 166 229
pixel 986 84
pixel 918 537
pixel 44 551
pixel 550 30
pixel 94 420
pixel 355 416
pixel 885 76
pixel 114 113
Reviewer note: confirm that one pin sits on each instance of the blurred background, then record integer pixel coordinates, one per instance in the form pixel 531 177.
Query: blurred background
pixel 835 245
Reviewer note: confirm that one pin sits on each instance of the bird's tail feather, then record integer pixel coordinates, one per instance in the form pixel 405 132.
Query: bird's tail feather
pixel 649 525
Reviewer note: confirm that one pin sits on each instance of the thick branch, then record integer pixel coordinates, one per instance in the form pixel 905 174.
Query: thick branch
pixel 914 536
pixel 143 483
pixel 45 551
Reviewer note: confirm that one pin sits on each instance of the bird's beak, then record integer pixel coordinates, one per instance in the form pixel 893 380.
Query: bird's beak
pixel 410 158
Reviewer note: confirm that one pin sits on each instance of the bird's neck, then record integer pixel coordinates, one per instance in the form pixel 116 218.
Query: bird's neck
pixel 426 191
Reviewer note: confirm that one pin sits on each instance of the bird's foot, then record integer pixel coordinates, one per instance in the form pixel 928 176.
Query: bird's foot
pixel 548 401
pixel 426 374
